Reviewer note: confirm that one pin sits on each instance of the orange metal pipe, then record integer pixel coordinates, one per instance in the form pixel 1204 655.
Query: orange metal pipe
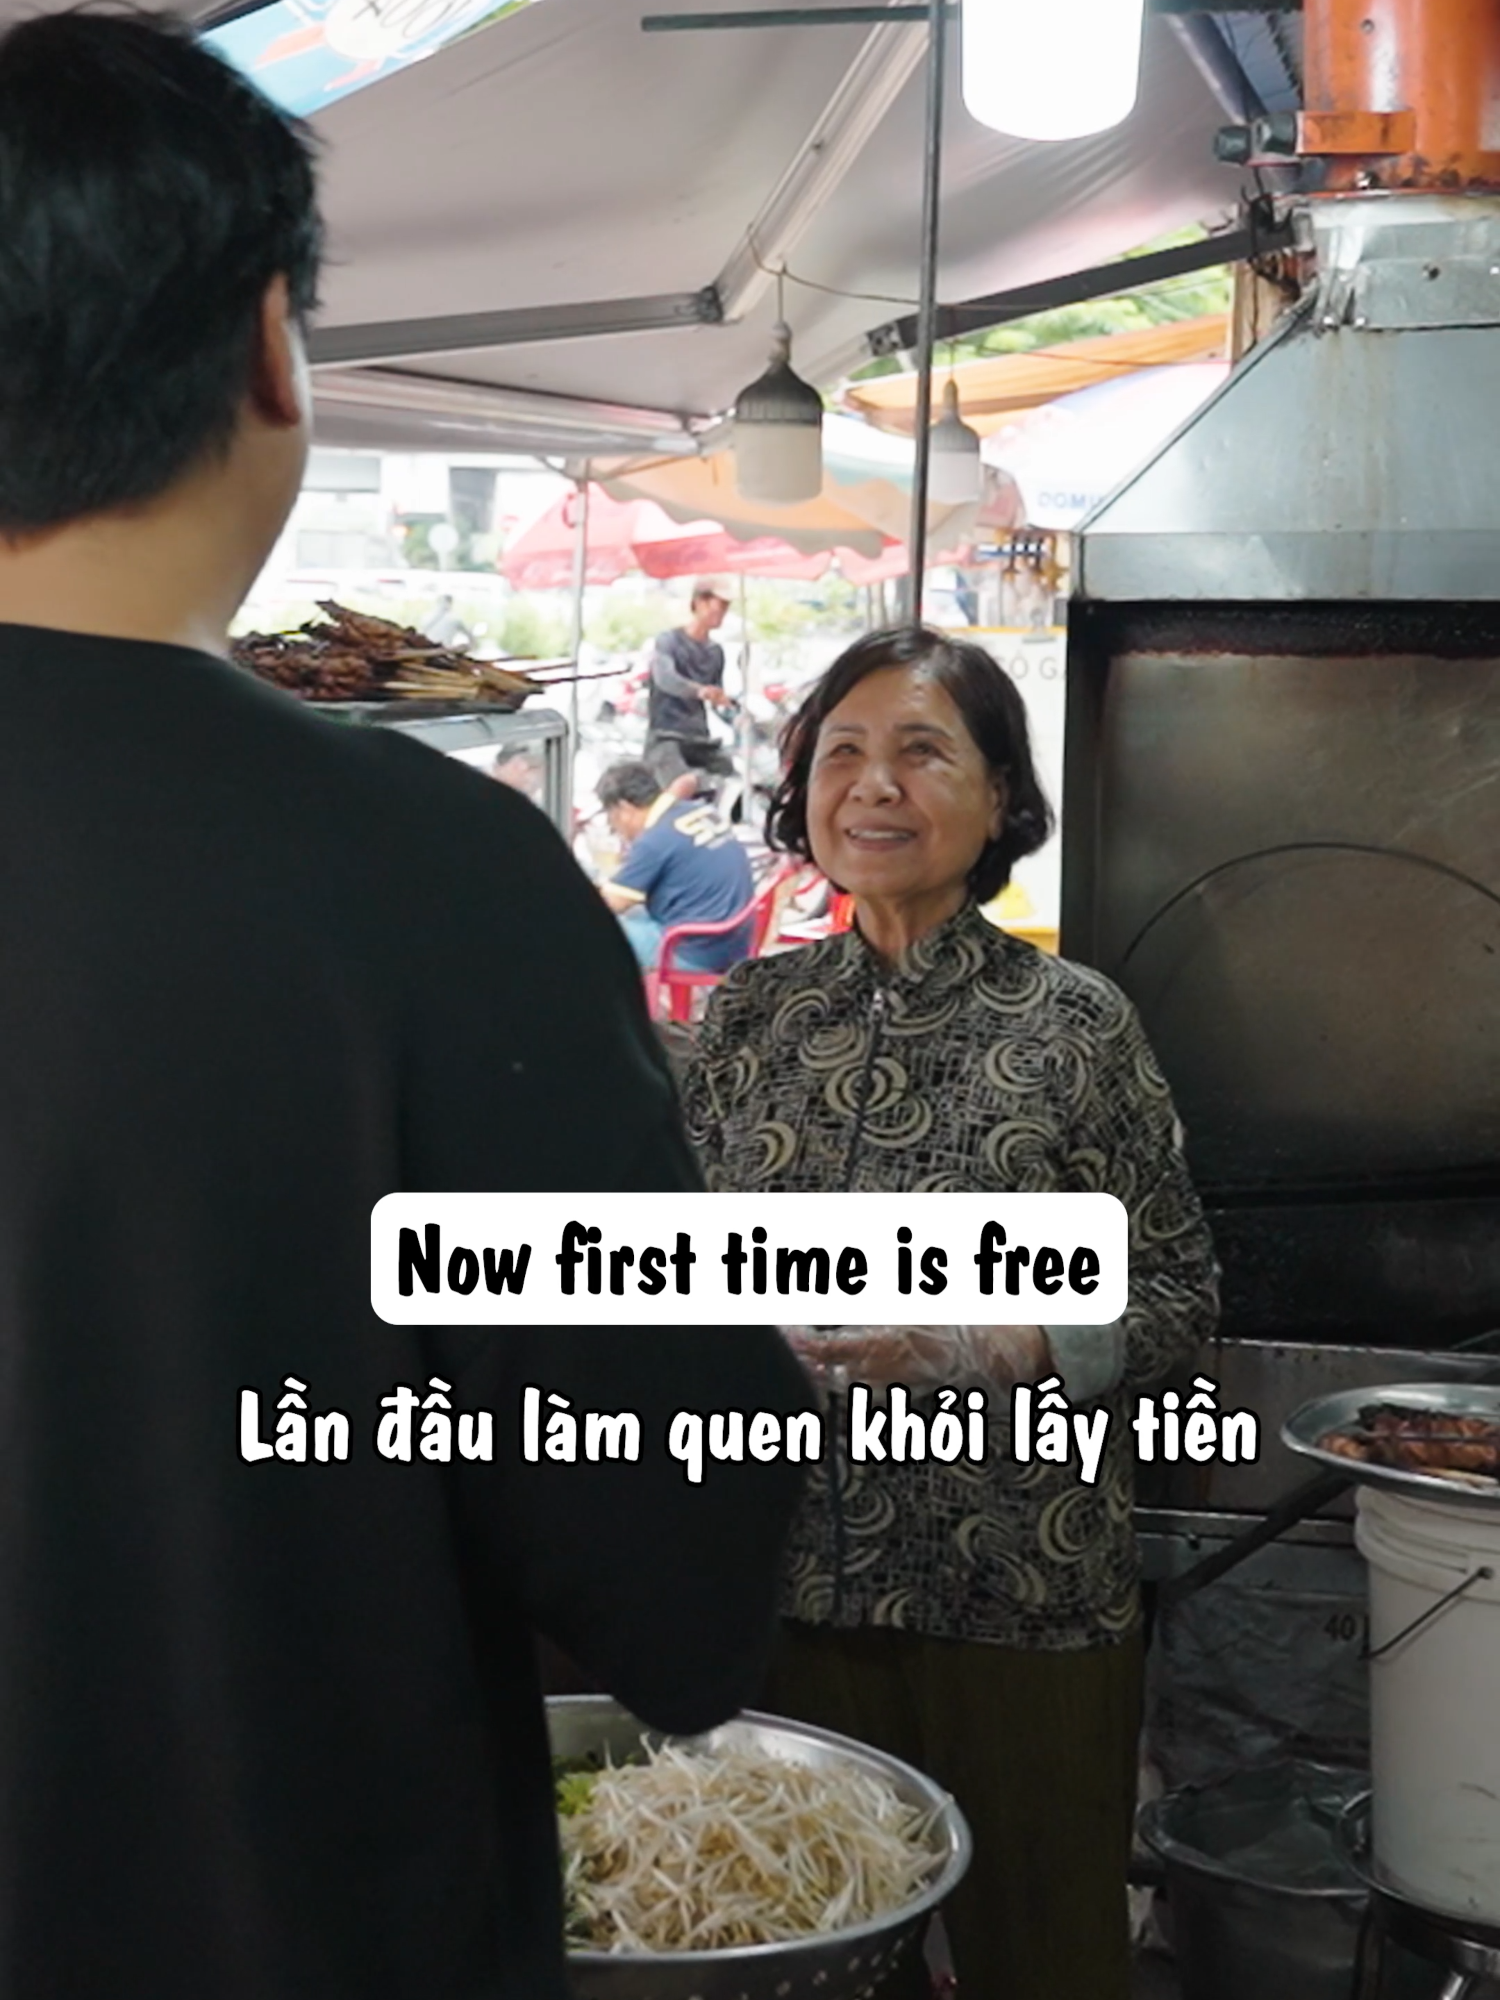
pixel 1403 93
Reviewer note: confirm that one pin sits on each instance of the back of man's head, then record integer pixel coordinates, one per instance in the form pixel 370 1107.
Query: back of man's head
pixel 628 783
pixel 148 197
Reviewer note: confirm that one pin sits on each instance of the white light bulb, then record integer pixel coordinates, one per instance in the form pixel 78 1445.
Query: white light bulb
pixel 1050 69
pixel 778 432
pixel 778 463
pixel 954 474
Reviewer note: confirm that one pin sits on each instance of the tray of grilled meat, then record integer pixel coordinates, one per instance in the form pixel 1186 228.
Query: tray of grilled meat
pixel 350 656
pixel 1431 1440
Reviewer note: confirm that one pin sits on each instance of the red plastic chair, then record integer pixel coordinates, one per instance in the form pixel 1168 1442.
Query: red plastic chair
pixel 676 985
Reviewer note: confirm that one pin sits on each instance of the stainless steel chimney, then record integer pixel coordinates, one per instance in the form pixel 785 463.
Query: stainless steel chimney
pixel 1282 790
pixel 1356 454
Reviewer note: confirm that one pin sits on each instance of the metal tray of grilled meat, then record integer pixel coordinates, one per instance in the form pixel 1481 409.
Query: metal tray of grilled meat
pixel 1305 1429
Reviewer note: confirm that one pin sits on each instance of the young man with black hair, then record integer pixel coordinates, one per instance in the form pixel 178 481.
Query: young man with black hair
pixel 273 1729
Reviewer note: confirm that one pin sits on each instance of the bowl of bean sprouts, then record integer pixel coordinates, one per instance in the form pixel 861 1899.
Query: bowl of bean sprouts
pixel 766 1860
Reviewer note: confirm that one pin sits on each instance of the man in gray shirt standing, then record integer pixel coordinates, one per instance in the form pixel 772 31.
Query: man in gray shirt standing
pixel 687 679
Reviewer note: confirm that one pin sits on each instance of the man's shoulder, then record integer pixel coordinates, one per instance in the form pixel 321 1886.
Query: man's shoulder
pixel 686 651
pixel 372 765
pixel 670 838
pixel 664 832
pixel 365 788
pixel 694 826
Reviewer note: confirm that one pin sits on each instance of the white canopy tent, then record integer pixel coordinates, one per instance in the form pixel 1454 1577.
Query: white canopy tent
pixel 562 161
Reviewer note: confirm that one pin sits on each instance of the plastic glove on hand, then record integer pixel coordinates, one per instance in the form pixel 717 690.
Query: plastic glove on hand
pixel 925 1357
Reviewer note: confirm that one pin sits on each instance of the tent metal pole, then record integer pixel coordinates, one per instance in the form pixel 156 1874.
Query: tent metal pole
pixel 454 333
pixel 747 723
pixel 937 53
pixel 886 62
pixel 844 17
pixel 1257 237
pixel 580 581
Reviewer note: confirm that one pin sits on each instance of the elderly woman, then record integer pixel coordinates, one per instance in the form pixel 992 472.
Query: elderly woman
pixel 980 1622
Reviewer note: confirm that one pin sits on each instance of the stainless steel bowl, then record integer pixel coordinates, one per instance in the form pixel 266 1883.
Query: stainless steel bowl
pixel 855 1964
pixel 1306 1428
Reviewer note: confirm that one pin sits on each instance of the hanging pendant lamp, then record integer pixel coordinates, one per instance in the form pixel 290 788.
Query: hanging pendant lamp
pixel 778 432
pixel 1062 69
pixel 955 475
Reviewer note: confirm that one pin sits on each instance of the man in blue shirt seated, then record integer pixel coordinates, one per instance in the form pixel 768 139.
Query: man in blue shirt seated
pixel 682 866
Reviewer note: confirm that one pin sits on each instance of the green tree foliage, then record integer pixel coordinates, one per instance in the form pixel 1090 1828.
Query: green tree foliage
pixel 536 628
pixel 783 616
pixel 416 549
pixel 780 616
pixel 1188 297
pixel 621 623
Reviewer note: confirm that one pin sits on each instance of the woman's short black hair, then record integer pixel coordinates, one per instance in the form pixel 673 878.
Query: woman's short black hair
pixel 987 699
pixel 148 195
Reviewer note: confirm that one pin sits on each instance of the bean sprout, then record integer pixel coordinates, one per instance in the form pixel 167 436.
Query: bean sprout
pixel 697 1851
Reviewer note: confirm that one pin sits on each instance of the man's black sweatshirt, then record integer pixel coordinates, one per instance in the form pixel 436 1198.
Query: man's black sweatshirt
pixel 272 1731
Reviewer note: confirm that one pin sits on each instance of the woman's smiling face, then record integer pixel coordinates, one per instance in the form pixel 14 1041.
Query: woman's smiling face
pixel 900 802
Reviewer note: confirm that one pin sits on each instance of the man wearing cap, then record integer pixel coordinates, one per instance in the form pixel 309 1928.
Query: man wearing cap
pixel 687 679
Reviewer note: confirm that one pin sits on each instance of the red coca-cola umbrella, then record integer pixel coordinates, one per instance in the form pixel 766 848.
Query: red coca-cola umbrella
pixel 542 558
pixel 625 535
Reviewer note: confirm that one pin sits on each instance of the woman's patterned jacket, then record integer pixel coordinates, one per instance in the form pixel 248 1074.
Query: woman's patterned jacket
pixel 977 1062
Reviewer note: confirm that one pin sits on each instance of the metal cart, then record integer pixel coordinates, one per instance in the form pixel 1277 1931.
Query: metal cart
pixel 477 733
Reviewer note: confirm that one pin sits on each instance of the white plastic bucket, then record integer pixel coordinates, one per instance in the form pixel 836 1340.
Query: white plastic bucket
pixel 1434 1700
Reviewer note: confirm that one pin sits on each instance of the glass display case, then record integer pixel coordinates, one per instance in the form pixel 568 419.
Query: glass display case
pixel 528 748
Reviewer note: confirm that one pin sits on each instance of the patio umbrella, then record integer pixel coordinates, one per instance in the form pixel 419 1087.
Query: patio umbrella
pixel 1066 456
pixel 996 390
pixel 864 507
pixel 542 557
pixel 637 534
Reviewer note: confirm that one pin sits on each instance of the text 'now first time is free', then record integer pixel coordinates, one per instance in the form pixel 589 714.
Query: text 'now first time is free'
pixel 741 1259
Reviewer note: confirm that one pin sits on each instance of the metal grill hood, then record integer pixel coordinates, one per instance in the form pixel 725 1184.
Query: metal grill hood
pixel 1355 455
